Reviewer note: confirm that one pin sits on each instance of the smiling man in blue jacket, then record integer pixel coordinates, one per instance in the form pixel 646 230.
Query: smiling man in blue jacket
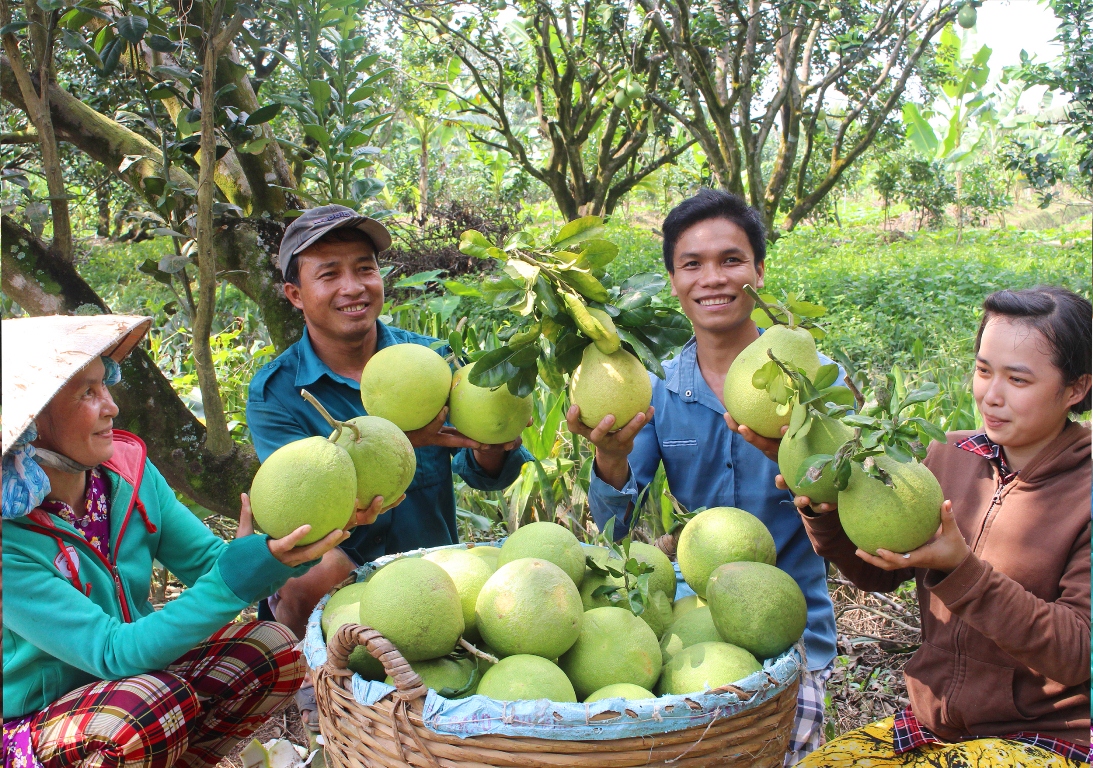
pixel 714 245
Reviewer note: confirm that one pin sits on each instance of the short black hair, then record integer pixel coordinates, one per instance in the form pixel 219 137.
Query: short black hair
pixel 1063 317
pixel 340 235
pixel 713 204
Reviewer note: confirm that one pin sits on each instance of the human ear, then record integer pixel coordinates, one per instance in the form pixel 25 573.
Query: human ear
pixel 1077 391
pixel 292 293
pixel 760 269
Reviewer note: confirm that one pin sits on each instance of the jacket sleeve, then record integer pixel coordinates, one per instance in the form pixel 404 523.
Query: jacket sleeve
pixel 466 466
pixel 605 501
pixel 831 543
pixel 1051 638
pixel 190 550
pixel 85 636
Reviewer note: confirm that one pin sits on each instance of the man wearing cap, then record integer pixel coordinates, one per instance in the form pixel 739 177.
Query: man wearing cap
pixel 329 260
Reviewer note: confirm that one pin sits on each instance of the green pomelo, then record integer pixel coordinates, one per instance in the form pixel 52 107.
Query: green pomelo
pixel 900 517
pixel 469 574
pixel 753 407
pixel 414 603
pixel 663 578
pixel 521 677
pixel 825 435
pixel 757 607
pixel 310 481
pixel 407 384
pixel 487 554
pixel 529 606
pixel 365 664
pixel 621 691
pixel 658 614
pixel 592 582
pixel 685 605
pixel 384 459
pixel 703 666
pixel 347 595
pixel 614 646
pixel 690 629
pixel 610 384
pixel 442 673
pixel 546 541
pixel 721 535
pixel 490 416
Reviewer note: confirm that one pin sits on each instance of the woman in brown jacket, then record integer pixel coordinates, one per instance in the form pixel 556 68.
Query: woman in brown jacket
pixel 1002 676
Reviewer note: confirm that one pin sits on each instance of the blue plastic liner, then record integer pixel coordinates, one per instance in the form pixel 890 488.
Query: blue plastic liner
pixel 605 719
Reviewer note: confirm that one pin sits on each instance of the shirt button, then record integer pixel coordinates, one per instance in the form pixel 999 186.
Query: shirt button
pixel 687 393
pixel 728 465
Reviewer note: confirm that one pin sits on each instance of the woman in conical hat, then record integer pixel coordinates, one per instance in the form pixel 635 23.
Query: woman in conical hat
pixel 93 674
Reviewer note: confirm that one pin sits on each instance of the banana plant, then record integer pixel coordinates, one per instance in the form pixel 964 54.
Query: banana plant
pixel 565 300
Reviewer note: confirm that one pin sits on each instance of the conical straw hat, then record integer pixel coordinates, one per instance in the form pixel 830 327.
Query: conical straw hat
pixel 41 354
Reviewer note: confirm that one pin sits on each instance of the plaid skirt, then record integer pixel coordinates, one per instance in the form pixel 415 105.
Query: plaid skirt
pixel 190 715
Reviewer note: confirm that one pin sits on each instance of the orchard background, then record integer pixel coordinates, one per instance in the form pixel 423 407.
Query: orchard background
pixel 902 171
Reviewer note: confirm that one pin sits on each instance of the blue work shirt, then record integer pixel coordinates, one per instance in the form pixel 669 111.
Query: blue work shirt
pixel 277 414
pixel 708 465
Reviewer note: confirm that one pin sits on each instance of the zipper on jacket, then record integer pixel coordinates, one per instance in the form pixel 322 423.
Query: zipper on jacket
pixel 112 567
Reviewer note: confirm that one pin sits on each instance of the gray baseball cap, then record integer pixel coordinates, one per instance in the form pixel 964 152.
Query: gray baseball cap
pixel 313 223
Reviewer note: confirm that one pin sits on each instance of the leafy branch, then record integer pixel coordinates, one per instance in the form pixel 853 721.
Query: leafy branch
pixel 633 574
pixel 791 311
pixel 565 300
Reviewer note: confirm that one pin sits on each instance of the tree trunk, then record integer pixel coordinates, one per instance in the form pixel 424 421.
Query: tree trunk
pixel 102 198
pixel 43 284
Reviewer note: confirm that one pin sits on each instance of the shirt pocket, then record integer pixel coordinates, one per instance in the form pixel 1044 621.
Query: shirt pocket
pixel 679 444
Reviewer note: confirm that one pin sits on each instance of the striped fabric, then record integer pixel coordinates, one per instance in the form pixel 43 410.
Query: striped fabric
pixel 190 715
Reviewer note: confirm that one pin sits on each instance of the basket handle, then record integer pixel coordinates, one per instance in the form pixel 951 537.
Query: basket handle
pixel 408 683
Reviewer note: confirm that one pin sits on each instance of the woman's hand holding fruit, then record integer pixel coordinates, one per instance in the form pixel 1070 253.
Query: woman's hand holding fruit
pixel 284 548
pixel 803 502
pixel 944 552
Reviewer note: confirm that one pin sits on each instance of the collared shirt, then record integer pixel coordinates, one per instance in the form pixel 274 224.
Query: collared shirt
pixel 981 445
pixel 707 465
pixel 277 414
pixel 93 521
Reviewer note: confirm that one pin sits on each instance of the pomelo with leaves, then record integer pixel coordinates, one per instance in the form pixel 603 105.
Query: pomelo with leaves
pixel 491 416
pixel 752 393
pixel 887 498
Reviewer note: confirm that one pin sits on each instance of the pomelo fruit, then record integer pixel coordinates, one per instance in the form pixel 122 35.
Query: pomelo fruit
pixel 360 660
pixel 490 416
pixel 658 614
pixel 520 677
pixel 685 605
pixel 757 607
pixel 414 603
pixel 614 646
pixel 444 672
pixel 898 518
pixel 592 582
pixel 663 578
pixel 617 384
pixel 309 481
pixel 825 435
pixel 721 535
pixel 694 627
pixel 469 574
pixel 621 691
pixel 753 407
pixel 346 596
pixel 487 554
pixel 365 664
pixel 529 606
pixel 546 541
pixel 703 666
pixel 967 16
pixel 407 384
pixel 383 456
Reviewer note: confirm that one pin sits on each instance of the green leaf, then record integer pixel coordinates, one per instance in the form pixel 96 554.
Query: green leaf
pixel 597 254
pixel 838 396
pixel 15 26
pixel 928 391
pixel 569 349
pixel 419 279
pixel 72 40
pixel 826 376
pixel 498 366
pixel 474 243
pixel 639 290
pixel 640 346
pixel 761 318
pixel 265 114
pixel 919 130
pixel 817 332
pixel 132 28
pixel 579 230
pixel 111 55
pixel 173 263
pixel 765 374
pixel 585 284
pixel 523 383
pixel 318 133
pixel 162 44
pixel 457 288
pixel 929 429
pixel 797 418
pixel 51 5
pixel 898 452
pixel 805 309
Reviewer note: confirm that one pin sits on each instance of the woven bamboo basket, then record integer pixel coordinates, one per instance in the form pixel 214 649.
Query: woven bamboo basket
pixel 391 733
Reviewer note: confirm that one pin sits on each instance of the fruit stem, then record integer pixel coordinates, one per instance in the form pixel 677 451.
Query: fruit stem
pixel 337 425
pixel 475 652
pixel 762 305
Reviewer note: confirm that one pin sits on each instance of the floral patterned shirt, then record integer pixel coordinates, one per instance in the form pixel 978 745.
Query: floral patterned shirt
pixel 93 521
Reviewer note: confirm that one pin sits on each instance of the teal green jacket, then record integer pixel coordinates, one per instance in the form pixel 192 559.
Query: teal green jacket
pixel 72 617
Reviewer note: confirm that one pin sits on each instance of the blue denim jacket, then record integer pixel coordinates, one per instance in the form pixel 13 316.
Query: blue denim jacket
pixel 707 465
pixel 277 414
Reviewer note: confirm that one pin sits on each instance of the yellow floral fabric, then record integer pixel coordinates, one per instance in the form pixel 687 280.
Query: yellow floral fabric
pixel 873 747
